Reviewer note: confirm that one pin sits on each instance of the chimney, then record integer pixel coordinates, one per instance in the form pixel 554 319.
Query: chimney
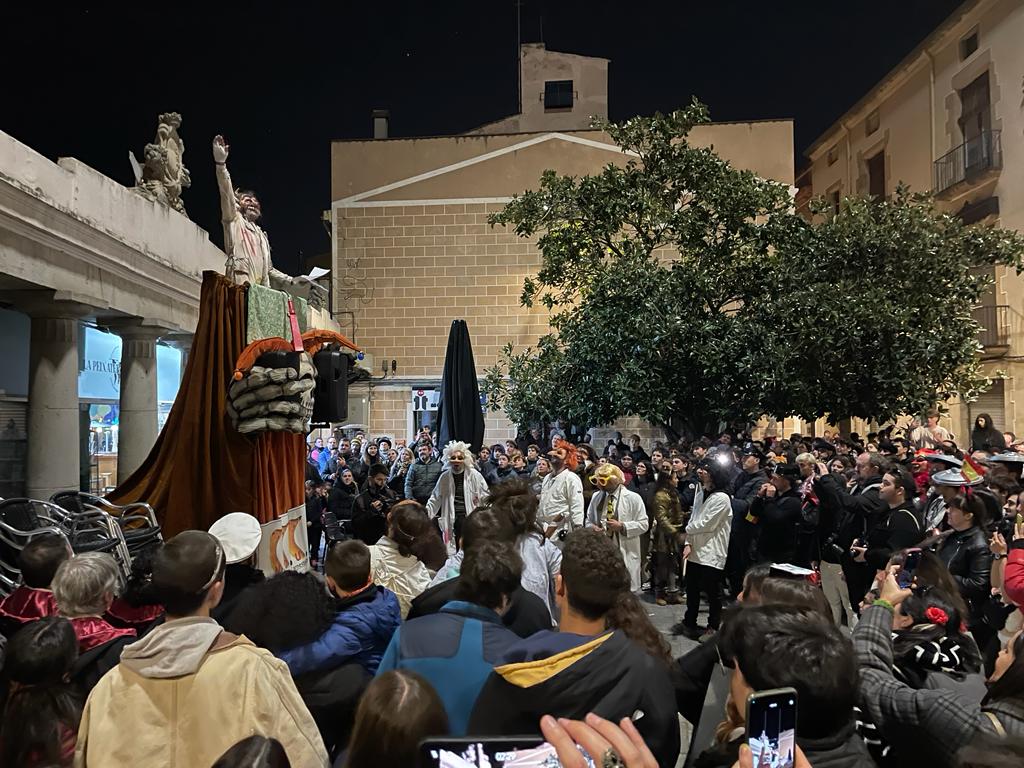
pixel 380 123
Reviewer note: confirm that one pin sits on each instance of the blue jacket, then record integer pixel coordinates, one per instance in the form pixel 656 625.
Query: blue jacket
pixel 455 650
pixel 360 633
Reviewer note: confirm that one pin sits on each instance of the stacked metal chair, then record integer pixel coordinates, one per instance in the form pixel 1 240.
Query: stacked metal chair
pixel 88 530
pixel 136 522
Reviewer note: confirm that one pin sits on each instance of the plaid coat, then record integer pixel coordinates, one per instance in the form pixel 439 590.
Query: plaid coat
pixel 941 721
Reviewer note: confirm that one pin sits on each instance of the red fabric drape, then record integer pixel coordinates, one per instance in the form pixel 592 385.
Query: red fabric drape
pixel 200 468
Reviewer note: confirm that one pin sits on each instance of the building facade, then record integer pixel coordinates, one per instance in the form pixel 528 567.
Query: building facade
pixel 412 249
pixel 949 119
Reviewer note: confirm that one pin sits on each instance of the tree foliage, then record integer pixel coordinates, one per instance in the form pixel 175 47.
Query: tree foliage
pixel 687 292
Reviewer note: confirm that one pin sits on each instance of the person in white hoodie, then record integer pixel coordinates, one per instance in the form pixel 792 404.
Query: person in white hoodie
pixel 706 548
pixel 188 690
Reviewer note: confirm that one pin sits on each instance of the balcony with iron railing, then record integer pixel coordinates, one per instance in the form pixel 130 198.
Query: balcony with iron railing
pixel 969 165
pixel 994 333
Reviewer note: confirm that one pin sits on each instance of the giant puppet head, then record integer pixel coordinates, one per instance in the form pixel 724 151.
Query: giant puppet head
pixel 248 205
pixel 563 454
pixel 456 454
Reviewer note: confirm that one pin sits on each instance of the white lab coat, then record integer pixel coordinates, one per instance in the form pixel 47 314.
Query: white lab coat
pixel 628 508
pixel 561 494
pixel 441 503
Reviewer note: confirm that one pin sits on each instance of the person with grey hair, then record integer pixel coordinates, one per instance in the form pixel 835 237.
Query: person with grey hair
pixel 84 587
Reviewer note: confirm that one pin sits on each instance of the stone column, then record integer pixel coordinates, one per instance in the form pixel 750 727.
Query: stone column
pixel 137 428
pixel 182 342
pixel 53 439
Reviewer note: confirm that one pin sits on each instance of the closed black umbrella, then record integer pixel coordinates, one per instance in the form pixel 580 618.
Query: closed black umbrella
pixel 459 411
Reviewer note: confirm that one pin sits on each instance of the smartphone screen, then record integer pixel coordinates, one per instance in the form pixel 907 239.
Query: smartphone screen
pixel 498 752
pixel 905 577
pixel 771 727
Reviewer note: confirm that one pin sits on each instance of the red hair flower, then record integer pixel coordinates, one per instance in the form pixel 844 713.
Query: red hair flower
pixel 936 616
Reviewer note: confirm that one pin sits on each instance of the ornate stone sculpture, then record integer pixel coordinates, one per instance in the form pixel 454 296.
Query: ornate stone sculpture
pixel 164 174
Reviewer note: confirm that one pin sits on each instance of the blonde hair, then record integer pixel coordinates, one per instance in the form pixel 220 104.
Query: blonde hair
pixel 806 458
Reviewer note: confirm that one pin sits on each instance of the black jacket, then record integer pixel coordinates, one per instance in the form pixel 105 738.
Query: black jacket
pixel 778 518
pixel 332 698
pixel 968 558
pixel 526 612
pixel 369 524
pixel 745 491
pixel 340 501
pixel 548 674
pixel 856 512
pixel 899 528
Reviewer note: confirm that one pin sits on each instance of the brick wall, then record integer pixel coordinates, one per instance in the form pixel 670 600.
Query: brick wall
pixel 408 271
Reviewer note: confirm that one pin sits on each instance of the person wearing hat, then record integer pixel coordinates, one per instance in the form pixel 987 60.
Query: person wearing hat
pixel 744 521
pixel 188 690
pixel 946 482
pixel 239 535
pixel 823 449
pixel 777 508
pixel 1012 461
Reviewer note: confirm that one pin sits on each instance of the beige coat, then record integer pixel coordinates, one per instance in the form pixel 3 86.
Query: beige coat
pixel 188 721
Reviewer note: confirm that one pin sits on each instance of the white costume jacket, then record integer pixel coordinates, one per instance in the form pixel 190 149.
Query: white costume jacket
pixel 441 503
pixel 561 494
pixel 628 508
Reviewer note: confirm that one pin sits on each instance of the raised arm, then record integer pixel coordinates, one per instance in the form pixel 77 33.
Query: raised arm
pixel 228 208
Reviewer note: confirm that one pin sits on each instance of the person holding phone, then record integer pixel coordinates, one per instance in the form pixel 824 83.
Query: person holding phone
pixel 787 647
pixel 943 722
pixel 930 650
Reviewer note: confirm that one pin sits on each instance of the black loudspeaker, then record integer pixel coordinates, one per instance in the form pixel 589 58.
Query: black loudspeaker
pixel 330 400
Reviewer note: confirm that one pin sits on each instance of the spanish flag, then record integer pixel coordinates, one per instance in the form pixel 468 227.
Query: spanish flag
pixel 971 471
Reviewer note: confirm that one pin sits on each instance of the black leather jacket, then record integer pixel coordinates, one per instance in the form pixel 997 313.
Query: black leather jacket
pixel 969 559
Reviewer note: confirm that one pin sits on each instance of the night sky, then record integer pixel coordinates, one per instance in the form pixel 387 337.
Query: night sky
pixel 281 82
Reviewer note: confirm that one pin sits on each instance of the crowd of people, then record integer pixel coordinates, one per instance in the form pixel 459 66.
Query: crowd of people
pixel 508 591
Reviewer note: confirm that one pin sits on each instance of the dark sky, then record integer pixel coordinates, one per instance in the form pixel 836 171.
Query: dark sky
pixel 281 82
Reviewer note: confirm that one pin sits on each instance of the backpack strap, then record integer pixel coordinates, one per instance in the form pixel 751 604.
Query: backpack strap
pixel 1000 730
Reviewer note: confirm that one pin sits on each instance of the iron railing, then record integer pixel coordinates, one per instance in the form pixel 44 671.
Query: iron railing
pixel 982 153
pixel 994 331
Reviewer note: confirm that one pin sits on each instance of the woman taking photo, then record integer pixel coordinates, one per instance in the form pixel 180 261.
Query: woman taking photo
pixel 399 468
pixel 707 544
pixel 938 722
pixel 930 650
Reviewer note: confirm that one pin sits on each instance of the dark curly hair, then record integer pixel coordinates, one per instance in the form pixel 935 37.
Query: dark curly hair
pixel 923 630
pixel 597 584
pixel 516 504
pixel 285 611
pixel 415 534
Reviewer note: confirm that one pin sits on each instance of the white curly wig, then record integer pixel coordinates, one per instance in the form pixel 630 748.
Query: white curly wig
pixel 457 445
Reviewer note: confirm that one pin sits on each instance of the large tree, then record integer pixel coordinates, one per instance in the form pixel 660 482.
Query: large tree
pixel 687 292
